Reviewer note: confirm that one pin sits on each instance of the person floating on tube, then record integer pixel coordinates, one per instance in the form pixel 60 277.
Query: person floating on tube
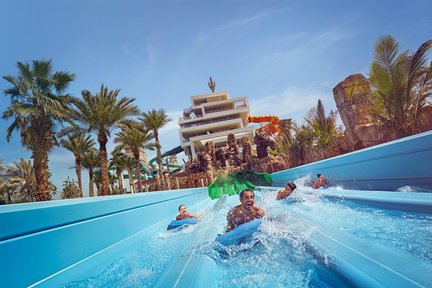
pixel 284 193
pixel 320 183
pixel 245 212
pixel 184 214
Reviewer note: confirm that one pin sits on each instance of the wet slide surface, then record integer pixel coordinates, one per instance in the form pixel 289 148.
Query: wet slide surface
pixel 338 237
pixel 289 250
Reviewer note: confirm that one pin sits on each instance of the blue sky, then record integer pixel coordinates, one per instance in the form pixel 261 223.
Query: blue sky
pixel 283 55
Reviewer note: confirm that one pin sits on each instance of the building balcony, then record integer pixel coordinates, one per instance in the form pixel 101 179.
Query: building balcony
pixel 241 112
pixel 211 127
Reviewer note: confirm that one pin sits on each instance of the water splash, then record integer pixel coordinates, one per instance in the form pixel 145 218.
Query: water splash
pixel 408 189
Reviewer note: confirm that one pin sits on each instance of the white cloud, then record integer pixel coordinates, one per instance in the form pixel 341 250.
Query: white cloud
pixel 293 100
pixel 173 125
pixel 305 44
pixel 233 25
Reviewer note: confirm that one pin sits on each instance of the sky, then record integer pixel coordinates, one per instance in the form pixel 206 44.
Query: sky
pixel 283 55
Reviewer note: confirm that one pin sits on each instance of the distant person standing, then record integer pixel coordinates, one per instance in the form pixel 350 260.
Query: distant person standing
pixel 284 193
pixel 321 182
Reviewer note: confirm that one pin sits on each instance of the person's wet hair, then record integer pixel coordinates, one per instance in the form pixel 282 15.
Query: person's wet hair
pixel 180 207
pixel 246 190
pixel 292 186
pixel 319 175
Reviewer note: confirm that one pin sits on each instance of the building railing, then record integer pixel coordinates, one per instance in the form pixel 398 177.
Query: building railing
pixel 189 113
pixel 210 121
pixel 187 139
pixel 233 110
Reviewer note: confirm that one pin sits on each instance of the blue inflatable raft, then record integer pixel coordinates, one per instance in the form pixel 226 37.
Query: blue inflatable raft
pixel 239 234
pixel 178 223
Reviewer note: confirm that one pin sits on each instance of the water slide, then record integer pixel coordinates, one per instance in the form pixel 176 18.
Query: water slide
pixel 338 237
pixel 153 171
pixel 174 151
pixel 271 128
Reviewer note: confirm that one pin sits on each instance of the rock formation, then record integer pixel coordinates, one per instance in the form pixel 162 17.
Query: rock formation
pixel 247 150
pixel 233 151
pixel 262 142
pixel 353 99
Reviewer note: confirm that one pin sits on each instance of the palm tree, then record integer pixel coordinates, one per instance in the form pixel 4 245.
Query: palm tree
pixel 324 128
pixel 70 189
pixel 154 120
pixel 401 85
pixel 4 188
pixel 111 180
pixel 118 162
pixel 135 138
pixel 300 142
pixel 97 178
pixel 130 164
pixel 21 180
pixel 78 145
pixel 90 161
pixel 5 191
pixel 101 114
pixel 38 103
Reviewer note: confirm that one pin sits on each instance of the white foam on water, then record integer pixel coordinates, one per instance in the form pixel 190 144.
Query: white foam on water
pixel 408 189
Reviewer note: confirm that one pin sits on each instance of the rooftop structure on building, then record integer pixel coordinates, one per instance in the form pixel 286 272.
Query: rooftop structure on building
pixel 211 118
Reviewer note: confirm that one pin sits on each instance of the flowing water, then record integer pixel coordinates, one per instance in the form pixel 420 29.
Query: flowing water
pixel 276 256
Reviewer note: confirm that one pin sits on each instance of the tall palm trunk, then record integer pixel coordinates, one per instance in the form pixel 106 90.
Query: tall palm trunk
pixel 159 159
pixel 41 145
pixel 78 172
pixel 120 179
pixel 138 169
pixel 103 159
pixel 40 157
pixel 91 192
pixel 132 187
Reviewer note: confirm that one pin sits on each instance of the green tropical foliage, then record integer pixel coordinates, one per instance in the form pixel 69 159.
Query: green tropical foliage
pixel 90 161
pixel 97 179
pixel 70 189
pixel 118 163
pixel 101 114
pixel 134 139
pixel 111 180
pixel 154 120
pixel 300 141
pixel 78 145
pixel 324 128
pixel 20 181
pixel 401 85
pixel 38 103
pixel 5 192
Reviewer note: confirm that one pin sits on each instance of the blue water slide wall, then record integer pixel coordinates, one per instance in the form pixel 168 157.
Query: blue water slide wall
pixel 361 263
pixel 49 244
pixel 403 162
pixel 45 241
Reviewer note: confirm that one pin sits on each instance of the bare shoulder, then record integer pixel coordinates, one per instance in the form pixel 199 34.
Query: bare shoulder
pixel 235 209
pixel 259 210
